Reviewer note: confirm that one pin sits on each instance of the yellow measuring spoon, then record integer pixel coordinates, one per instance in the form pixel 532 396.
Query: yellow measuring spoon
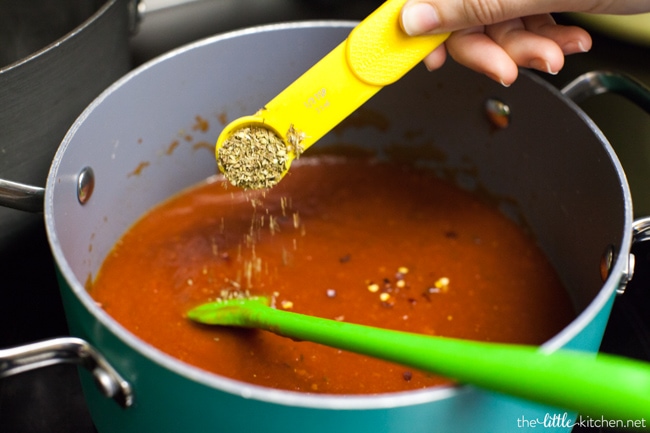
pixel 256 151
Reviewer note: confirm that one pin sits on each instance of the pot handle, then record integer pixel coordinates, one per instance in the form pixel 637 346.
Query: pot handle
pixel 67 350
pixel 599 82
pixel 20 196
pixel 640 233
pixel 641 229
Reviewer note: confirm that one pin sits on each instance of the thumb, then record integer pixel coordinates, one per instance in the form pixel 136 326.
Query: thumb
pixel 419 18
pixel 440 16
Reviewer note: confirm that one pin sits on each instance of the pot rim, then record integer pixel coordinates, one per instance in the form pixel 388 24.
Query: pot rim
pixel 293 398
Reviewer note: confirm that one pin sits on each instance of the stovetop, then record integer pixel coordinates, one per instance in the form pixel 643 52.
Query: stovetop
pixel 50 400
pixel 45 400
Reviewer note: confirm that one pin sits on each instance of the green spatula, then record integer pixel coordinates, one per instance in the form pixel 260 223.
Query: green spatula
pixel 595 385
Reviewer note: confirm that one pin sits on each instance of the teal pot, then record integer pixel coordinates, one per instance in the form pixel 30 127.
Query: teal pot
pixel 135 145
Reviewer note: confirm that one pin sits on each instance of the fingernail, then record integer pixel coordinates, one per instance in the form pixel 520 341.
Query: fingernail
pixel 582 47
pixel 498 80
pixel 542 65
pixel 574 47
pixel 419 18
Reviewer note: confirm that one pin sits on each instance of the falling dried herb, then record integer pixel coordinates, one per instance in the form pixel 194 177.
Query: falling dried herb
pixel 255 157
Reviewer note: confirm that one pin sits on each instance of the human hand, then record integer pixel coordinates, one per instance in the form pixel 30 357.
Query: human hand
pixel 494 37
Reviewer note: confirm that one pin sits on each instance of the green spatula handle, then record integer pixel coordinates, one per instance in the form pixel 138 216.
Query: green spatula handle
pixel 596 385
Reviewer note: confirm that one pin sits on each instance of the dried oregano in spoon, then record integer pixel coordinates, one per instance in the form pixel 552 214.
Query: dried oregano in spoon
pixel 255 157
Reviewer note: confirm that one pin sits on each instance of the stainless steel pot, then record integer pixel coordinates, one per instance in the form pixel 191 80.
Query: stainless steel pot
pixel 55 58
pixel 550 167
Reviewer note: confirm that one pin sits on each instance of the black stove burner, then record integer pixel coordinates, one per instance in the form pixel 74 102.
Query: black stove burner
pixel 50 399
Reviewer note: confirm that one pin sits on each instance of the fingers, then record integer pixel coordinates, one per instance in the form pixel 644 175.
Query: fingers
pixel 436 58
pixel 497 50
pixel 494 37
pixel 525 47
pixel 476 50
pixel 570 39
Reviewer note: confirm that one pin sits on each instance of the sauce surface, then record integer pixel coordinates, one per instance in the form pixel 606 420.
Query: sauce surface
pixel 379 244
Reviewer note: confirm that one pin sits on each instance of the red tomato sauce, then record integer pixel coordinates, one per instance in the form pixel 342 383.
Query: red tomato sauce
pixel 379 244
